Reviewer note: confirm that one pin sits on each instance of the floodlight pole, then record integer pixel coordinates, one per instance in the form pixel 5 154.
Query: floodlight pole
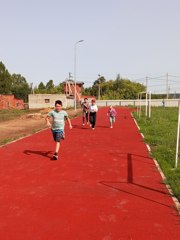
pixel 75 45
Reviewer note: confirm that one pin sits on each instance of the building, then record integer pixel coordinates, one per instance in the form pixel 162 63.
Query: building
pixel 68 98
pixel 69 89
pixel 37 101
pixel 10 102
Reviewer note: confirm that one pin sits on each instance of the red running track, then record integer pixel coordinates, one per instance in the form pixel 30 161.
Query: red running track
pixel 104 187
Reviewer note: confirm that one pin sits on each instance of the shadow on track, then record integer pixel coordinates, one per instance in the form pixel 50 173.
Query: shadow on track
pixel 47 154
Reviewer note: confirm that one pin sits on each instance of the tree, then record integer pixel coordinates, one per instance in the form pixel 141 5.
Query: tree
pixel 20 88
pixel 100 80
pixel 59 89
pixel 97 85
pixel 49 86
pixel 115 89
pixel 40 89
pixel 5 80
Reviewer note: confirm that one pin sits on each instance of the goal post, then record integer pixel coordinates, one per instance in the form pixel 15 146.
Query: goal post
pixel 147 102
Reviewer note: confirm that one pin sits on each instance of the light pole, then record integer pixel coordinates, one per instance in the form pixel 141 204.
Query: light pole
pixel 75 73
pixel 99 94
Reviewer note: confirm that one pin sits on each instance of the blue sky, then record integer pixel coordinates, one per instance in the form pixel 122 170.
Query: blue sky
pixel 133 38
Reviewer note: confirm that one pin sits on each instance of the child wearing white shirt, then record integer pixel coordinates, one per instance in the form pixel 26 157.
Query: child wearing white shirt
pixel 92 114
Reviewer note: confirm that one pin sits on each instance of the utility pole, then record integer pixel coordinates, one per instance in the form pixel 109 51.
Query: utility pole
pixel 70 75
pixel 167 86
pixel 66 87
pixel 32 89
pixel 146 84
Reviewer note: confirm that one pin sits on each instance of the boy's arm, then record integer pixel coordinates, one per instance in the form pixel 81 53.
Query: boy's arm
pixel 47 121
pixel 69 122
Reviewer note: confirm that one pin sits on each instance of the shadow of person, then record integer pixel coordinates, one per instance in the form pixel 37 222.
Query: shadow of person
pixel 42 153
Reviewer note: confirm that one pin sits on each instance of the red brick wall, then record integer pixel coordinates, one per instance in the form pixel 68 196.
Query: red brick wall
pixel 78 88
pixel 10 102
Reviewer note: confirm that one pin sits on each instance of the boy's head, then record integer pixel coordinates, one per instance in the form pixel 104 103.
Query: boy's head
pixel 93 101
pixel 85 99
pixel 58 105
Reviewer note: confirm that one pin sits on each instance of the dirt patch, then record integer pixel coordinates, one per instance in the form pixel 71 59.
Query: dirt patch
pixel 26 124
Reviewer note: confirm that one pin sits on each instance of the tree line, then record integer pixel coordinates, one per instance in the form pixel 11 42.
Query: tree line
pixel 14 84
pixel 101 88
pixel 119 88
pixel 17 85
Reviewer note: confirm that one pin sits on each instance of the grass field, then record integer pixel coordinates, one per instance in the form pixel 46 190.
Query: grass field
pixel 12 114
pixel 160 132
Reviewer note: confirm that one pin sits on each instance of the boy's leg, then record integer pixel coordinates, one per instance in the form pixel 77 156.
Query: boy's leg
pixel 87 120
pixel 111 121
pixel 55 156
pixel 83 117
pixel 93 124
pixel 57 137
pixel 91 119
pixel 94 120
pixel 57 147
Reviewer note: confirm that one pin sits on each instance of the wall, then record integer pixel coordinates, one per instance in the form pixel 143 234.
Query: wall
pixel 154 102
pixel 37 101
pixel 10 102
pixel 48 100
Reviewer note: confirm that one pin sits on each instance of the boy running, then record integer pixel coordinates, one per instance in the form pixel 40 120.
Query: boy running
pixel 85 113
pixel 58 117
pixel 92 114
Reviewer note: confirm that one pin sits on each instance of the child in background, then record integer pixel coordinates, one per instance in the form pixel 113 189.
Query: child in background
pixel 58 117
pixel 85 111
pixel 92 114
pixel 112 115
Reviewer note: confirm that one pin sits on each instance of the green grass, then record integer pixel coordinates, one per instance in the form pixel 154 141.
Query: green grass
pixel 160 132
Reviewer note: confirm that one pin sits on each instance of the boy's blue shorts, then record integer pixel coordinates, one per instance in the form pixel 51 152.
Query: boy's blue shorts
pixel 58 135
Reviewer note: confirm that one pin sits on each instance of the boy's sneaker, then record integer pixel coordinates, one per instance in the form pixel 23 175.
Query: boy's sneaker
pixel 55 156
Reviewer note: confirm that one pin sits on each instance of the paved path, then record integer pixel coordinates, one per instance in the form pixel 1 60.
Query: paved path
pixel 103 187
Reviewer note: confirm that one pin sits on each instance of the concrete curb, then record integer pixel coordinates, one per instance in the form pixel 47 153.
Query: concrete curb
pixel 175 200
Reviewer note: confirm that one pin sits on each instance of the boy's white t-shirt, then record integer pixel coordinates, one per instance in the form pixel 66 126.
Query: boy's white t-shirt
pixel 93 108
